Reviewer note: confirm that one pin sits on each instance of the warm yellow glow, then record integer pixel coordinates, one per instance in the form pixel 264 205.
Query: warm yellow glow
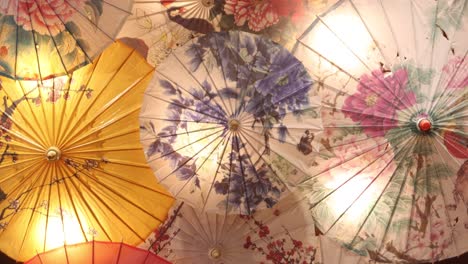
pixel 353 43
pixel 62 229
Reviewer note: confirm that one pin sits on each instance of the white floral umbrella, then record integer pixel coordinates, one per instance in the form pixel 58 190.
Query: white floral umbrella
pixel 157 27
pixel 284 234
pixel 391 179
pixel 229 121
pixel 40 39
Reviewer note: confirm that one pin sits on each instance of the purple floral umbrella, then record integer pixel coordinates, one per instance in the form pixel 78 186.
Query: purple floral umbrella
pixel 229 122
pixel 391 179
pixel 40 39
pixel 284 234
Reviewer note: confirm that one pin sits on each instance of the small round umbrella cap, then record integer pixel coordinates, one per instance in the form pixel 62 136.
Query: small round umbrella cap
pixel 424 125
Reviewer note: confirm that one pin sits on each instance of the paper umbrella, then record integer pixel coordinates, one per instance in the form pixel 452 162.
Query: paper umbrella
pixel 229 121
pixel 284 234
pixel 71 167
pixel 157 27
pixel 40 39
pixel 96 252
pixel 391 179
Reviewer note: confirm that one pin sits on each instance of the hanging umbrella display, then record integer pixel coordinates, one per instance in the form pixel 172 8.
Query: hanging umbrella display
pixel 41 39
pixel 96 252
pixel 283 234
pixel 71 167
pixel 391 178
pixel 229 121
pixel 165 25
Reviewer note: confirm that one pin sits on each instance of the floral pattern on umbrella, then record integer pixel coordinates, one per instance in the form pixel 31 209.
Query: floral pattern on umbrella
pixel 43 39
pixel 216 129
pixel 165 25
pixel 390 177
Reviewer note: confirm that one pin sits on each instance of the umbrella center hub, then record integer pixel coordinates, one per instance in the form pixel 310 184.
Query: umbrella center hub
pixel 53 154
pixel 234 125
pixel 207 3
pixel 424 125
pixel 214 253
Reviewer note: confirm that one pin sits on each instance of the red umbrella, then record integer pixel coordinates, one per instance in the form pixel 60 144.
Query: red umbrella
pixel 97 253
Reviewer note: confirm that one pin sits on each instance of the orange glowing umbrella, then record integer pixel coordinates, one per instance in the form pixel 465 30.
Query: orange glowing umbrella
pixel 95 252
pixel 71 167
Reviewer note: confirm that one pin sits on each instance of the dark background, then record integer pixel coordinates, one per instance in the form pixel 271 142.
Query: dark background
pixel 463 259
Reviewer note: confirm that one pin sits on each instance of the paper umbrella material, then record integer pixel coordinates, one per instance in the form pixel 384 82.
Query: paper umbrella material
pixel 157 27
pixel 229 121
pixel 97 252
pixel 284 234
pixel 40 39
pixel 391 178
pixel 71 167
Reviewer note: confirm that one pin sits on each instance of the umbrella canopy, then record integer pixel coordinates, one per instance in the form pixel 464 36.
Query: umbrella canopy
pixel 71 168
pixel 229 121
pixel 391 178
pixel 283 234
pixel 40 39
pixel 96 252
pixel 165 25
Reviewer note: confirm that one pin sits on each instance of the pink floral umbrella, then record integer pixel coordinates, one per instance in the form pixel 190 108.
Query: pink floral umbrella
pixel 284 234
pixel 391 181
pixel 41 39
pixel 164 25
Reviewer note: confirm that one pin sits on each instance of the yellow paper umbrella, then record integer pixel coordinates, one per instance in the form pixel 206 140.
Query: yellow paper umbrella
pixel 71 165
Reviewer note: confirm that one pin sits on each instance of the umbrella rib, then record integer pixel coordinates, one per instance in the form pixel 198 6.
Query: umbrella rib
pixel 347 73
pixel 447 93
pixel 191 143
pixel 266 162
pixel 181 133
pixel 199 167
pixel 191 94
pixel 443 198
pixel 17 38
pixel 376 43
pixel 4 179
pixel 181 120
pixel 78 43
pixel 94 65
pixel 198 50
pixel 222 70
pixel 227 207
pixel 74 138
pixel 61 210
pixel 80 194
pixel 216 172
pixel 365 189
pixel 222 113
pixel 32 213
pixel 34 40
pixel 51 36
pixel 74 127
pixel 185 107
pixel 100 128
pixel 103 139
pixel 382 81
pixel 381 195
pixel 68 191
pixel 239 159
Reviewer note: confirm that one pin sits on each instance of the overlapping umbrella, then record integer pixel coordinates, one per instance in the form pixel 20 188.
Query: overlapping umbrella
pixel 71 167
pixel 158 27
pixel 391 179
pixel 41 39
pixel 229 122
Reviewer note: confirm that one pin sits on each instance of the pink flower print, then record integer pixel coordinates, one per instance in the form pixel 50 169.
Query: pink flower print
pixel 455 73
pixel 47 16
pixel 376 101
pixel 261 14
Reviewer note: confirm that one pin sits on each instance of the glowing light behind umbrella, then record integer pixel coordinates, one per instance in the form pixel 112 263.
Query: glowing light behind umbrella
pixel 392 76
